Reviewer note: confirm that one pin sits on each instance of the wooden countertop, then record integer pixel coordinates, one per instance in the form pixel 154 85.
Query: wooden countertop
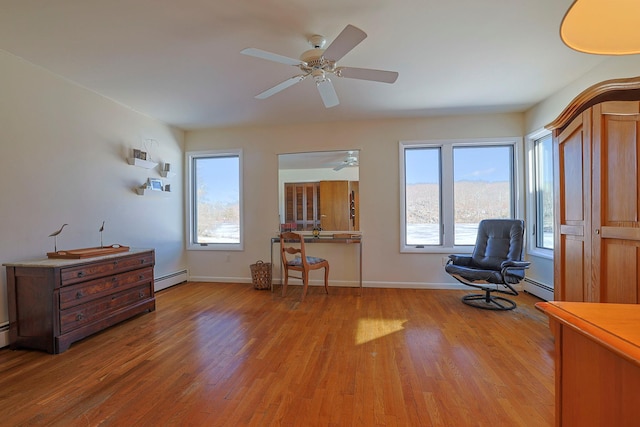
pixel 614 326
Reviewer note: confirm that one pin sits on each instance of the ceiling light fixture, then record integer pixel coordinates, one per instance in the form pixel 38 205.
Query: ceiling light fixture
pixel 602 27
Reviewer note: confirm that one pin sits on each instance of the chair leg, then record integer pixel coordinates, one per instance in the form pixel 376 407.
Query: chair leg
pixel 305 283
pixel 285 282
pixel 326 279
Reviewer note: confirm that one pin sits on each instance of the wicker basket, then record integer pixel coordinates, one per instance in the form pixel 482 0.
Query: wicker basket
pixel 261 275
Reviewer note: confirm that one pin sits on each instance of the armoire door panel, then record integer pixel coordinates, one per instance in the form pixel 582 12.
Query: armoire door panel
pixel 626 233
pixel 574 230
pixel 572 278
pixel 573 256
pixel 619 169
pixel 619 272
pixel 571 173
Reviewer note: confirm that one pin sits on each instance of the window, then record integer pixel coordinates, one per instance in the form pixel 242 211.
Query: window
pixel 482 188
pixel 448 187
pixel 540 165
pixel 422 196
pixel 214 200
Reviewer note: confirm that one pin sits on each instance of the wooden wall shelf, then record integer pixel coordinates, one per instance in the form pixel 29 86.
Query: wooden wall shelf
pixel 146 164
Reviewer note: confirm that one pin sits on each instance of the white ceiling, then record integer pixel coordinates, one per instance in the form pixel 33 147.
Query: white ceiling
pixel 180 61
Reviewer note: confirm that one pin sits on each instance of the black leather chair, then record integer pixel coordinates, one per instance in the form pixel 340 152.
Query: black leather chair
pixel 495 264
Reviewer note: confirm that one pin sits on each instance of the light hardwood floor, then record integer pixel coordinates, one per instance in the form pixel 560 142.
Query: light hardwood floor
pixel 227 355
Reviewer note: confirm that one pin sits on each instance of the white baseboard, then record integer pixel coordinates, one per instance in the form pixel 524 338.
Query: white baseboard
pixel 340 283
pixel 414 285
pixel 220 279
pixel 163 282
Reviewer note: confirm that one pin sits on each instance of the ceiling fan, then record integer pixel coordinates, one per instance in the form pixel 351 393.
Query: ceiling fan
pixel 319 63
pixel 350 160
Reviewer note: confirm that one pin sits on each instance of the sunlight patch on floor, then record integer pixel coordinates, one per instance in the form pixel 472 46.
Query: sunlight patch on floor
pixel 373 329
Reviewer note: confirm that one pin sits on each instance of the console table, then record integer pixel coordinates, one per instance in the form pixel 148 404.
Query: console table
pixel 55 302
pixel 329 239
pixel 597 359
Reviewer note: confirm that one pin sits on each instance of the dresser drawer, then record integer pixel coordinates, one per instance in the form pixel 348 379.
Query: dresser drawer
pixel 99 309
pixel 81 293
pixel 85 272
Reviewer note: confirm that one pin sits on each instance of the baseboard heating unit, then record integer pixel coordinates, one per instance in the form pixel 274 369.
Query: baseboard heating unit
pixel 4 334
pixel 538 289
pixel 168 280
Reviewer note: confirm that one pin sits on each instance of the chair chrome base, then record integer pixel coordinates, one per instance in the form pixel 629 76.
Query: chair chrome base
pixel 488 302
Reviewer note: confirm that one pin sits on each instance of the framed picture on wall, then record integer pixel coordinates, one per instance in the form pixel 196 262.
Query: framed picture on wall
pixel 155 184
pixel 139 154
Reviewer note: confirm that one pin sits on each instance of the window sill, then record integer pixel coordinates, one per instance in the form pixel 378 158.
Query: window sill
pixel 541 253
pixel 437 250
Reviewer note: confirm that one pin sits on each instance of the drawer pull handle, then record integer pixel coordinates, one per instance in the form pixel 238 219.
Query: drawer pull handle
pixel 141 276
pixel 79 294
pixel 141 261
pixel 115 263
pixel 113 279
pixel 80 273
pixel 141 294
pixel 79 316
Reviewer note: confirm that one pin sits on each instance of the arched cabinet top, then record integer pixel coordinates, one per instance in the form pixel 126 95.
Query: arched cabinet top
pixel 608 90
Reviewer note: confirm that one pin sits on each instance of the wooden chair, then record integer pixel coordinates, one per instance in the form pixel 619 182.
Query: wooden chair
pixel 295 258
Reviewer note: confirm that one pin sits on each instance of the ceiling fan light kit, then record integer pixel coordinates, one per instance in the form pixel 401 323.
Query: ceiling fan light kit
pixel 318 62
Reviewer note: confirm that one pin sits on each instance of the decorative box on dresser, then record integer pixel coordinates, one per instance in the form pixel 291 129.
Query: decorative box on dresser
pixel 55 302
pixel 597 195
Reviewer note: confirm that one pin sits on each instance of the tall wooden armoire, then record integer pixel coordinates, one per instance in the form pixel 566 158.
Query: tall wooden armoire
pixel 597 195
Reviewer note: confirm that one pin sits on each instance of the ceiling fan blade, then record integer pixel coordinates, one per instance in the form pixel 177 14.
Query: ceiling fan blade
pixel 263 54
pixel 367 74
pixel 349 38
pixel 327 93
pixel 281 86
pixel 342 166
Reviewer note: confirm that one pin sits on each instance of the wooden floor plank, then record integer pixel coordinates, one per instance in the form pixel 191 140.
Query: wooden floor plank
pixel 220 354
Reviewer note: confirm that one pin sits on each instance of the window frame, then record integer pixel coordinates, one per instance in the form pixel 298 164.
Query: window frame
pixel 191 199
pixel 447 204
pixel 532 197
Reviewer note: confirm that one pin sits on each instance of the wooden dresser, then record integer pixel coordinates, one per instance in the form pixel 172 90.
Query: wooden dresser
pixel 55 302
pixel 597 359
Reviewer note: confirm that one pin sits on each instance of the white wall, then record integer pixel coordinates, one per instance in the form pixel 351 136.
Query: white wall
pixel 383 264
pixel 616 67
pixel 62 160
